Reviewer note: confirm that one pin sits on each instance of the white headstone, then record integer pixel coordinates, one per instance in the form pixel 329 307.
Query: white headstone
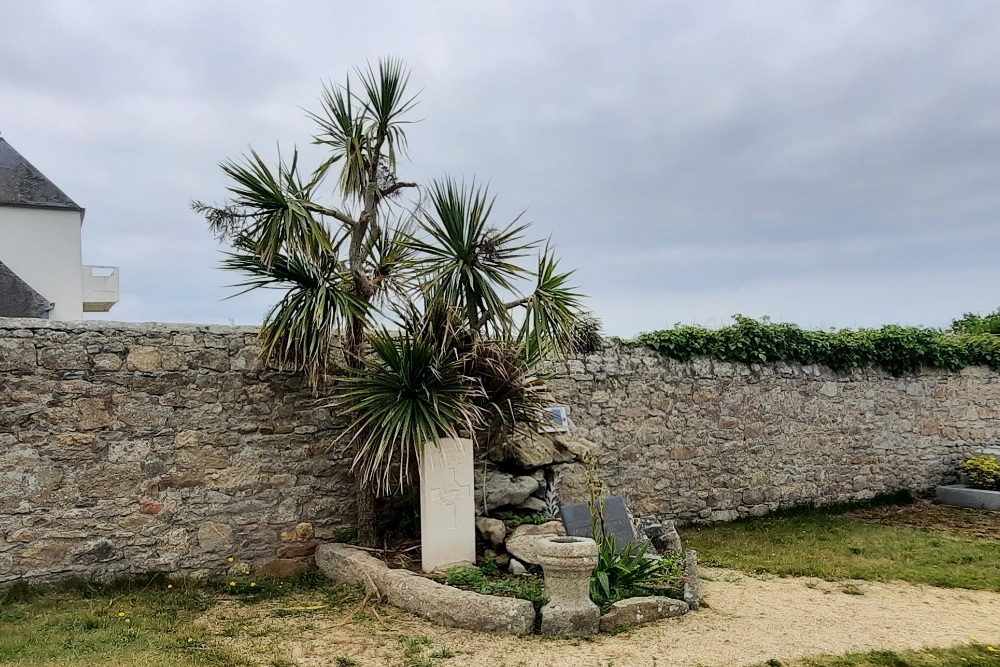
pixel 447 504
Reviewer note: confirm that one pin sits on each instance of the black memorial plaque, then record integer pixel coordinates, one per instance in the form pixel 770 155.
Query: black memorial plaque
pixel 576 518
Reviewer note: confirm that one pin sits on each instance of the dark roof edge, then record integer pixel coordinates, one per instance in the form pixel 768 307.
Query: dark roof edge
pixel 81 209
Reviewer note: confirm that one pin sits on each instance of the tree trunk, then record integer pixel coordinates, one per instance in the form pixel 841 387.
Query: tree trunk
pixel 368 533
pixel 367 522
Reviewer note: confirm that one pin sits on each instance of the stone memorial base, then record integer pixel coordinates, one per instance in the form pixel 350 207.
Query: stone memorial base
pixel 567 563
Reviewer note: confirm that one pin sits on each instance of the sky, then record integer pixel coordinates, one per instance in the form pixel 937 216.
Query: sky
pixel 831 164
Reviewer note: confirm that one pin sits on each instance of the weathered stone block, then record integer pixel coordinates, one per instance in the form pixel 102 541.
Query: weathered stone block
pixel 45 555
pixel 436 602
pixel 17 355
pixel 150 506
pixel 493 531
pixel 302 532
pixel 632 612
pixel 214 536
pixel 498 489
pixel 144 358
pixel 107 362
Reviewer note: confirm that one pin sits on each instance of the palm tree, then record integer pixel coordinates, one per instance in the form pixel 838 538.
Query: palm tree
pixel 463 358
pixel 344 267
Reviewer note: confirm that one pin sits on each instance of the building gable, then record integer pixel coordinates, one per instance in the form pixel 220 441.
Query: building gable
pixel 21 184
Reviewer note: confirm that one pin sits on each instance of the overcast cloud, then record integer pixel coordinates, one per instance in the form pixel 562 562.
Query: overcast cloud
pixel 824 163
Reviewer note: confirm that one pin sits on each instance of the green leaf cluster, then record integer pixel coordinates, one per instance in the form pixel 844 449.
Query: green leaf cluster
pixel 488 581
pixel 973 323
pixel 628 572
pixel 983 472
pixel 898 350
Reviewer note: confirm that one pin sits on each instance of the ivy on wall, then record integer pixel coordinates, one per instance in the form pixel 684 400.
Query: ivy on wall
pixel 897 349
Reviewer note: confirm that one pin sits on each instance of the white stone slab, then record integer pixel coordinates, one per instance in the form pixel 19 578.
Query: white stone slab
pixel 447 504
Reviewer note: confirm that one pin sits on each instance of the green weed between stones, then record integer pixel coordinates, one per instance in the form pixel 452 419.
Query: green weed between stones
pixel 488 581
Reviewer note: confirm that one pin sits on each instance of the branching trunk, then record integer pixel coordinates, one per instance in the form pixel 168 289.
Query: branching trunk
pixel 368 529
pixel 367 519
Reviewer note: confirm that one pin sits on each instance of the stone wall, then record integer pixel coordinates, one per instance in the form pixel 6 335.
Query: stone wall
pixel 126 448
pixel 129 448
pixel 712 441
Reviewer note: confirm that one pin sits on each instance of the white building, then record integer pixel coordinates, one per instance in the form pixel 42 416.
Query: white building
pixel 41 268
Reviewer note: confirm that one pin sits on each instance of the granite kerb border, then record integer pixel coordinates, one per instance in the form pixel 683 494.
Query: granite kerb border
pixel 436 602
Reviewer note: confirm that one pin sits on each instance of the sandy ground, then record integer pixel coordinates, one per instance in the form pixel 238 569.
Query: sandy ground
pixel 750 620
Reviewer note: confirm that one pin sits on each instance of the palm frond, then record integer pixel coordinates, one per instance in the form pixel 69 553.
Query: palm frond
pixel 275 208
pixel 386 101
pixel 342 128
pixel 512 396
pixel 463 258
pixel 300 332
pixel 409 395
pixel 552 311
pixel 390 260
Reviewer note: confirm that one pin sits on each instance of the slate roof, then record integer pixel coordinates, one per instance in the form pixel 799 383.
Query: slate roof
pixel 18 299
pixel 21 184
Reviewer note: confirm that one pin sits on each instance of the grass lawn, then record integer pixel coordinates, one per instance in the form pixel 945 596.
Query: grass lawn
pixel 968 655
pixel 883 543
pixel 143 622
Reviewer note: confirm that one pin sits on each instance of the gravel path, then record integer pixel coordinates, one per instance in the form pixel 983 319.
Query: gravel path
pixel 750 620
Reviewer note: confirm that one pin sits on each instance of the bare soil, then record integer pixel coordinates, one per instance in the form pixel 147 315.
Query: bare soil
pixel 927 515
pixel 749 620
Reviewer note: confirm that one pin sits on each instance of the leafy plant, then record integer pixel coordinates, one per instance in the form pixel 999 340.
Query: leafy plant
pixel 551 499
pixel 586 335
pixel 625 571
pixel 983 472
pixel 973 323
pixel 896 349
pixel 629 572
pixel 486 583
pixel 535 518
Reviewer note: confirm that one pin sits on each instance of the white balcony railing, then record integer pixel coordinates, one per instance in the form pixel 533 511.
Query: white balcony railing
pixel 100 288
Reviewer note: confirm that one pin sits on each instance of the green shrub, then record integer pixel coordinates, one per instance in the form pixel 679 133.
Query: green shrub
pixel 972 323
pixel 983 472
pixel 896 349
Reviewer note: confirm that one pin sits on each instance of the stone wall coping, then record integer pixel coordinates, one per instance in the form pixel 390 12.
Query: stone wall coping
pixel 15 323
pixel 702 365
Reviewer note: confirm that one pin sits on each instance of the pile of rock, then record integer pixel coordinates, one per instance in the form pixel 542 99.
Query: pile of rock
pixel 532 467
pixel 514 549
